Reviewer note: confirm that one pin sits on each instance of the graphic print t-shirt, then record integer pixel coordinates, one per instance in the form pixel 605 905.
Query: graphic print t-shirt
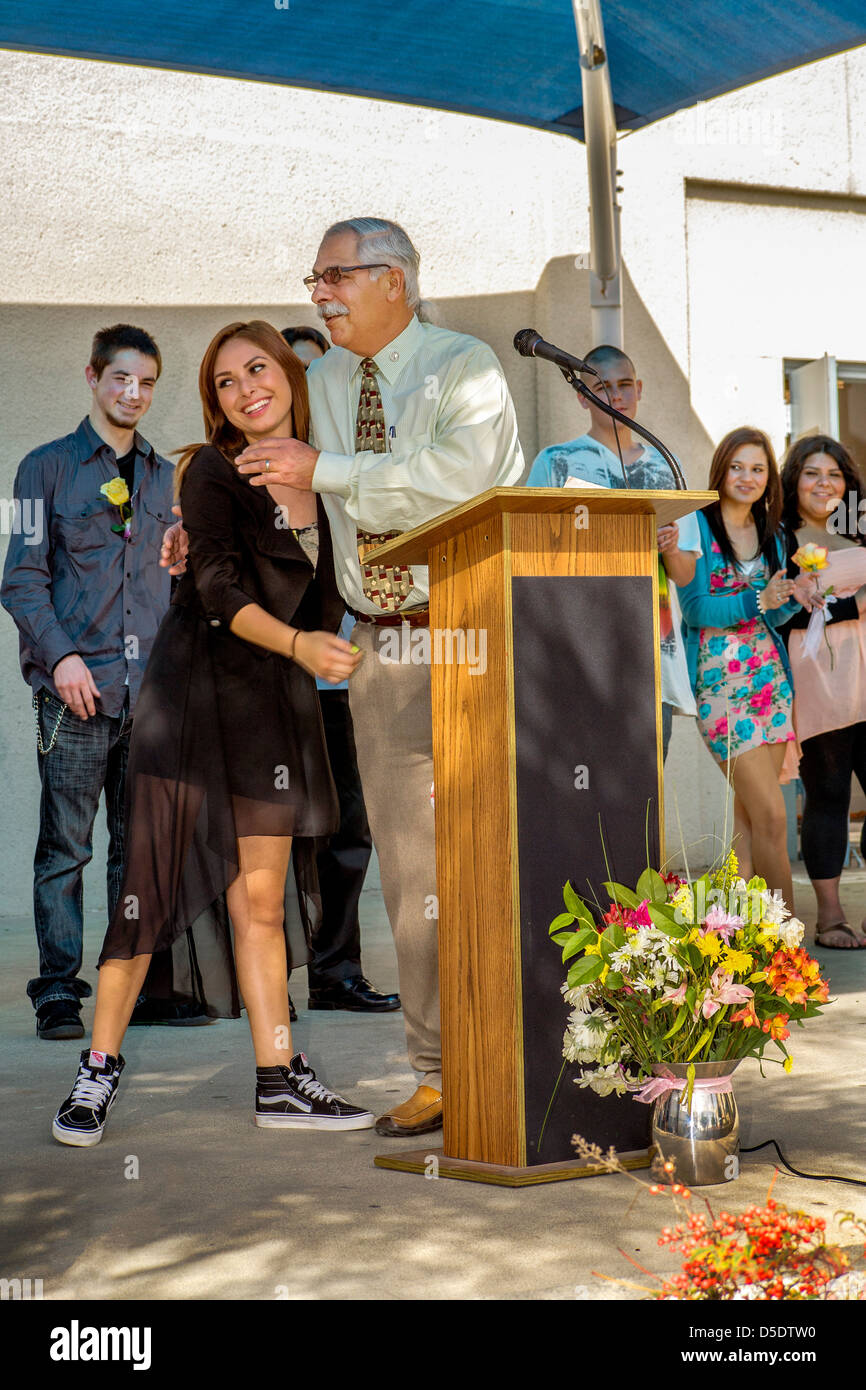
pixel 587 459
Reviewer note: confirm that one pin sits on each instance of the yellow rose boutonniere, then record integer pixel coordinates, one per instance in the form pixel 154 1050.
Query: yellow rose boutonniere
pixel 117 493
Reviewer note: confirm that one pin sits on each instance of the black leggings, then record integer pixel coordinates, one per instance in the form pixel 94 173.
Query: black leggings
pixel 826 767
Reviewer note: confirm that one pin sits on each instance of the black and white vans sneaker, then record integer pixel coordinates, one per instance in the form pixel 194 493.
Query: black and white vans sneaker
pixel 291 1098
pixel 81 1118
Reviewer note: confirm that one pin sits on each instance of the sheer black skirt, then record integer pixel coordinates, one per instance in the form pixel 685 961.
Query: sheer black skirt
pixel 227 741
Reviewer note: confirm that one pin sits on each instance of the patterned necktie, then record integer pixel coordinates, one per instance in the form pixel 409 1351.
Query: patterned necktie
pixel 387 586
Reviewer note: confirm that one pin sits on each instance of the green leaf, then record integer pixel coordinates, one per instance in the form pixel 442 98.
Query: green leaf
pixel 621 894
pixel 562 936
pixel 614 980
pixel 691 997
pixel 574 945
pixel 577 906
pixel 696 959
pixel 586 934
pixel 585 970
pixel 571 900
pixel 565 919
pixel 616 934
pixel 677 1023
pixel 652 886
pixel 701 1042
pixel 666 921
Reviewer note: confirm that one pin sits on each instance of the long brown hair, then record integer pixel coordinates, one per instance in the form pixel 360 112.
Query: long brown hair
pixel 766 511
pixel 218 430
pixel 795 461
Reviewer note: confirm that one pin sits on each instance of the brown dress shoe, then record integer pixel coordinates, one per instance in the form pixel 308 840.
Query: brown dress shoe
pixel 418 1115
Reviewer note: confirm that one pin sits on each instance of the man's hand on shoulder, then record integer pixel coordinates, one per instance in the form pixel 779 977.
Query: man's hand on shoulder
pixel 292 463
pixel 75 685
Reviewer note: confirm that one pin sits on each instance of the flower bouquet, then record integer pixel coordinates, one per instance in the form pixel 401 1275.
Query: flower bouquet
pixel 681 972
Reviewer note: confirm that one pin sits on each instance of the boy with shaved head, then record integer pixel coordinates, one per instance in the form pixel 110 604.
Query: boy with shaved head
pixel 595 458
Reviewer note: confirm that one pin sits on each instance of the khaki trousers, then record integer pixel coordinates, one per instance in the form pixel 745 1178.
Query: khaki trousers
pixel 391 712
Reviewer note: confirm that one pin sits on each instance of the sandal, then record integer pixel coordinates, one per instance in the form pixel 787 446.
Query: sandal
pixel 838 926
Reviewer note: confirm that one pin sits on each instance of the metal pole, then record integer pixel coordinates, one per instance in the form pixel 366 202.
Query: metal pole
pixel 599 126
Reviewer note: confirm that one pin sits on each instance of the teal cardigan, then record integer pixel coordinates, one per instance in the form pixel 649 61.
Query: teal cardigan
pixel 702 608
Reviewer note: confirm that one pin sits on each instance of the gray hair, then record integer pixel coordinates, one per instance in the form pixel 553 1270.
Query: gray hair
pixel 380 240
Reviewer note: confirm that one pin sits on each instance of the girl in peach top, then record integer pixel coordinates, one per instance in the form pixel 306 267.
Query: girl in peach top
pixel 822 491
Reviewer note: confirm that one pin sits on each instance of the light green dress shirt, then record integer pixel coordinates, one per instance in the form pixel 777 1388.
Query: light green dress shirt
pixel 451 431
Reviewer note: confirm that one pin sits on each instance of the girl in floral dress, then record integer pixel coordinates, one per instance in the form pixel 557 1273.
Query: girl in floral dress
pixel 738 668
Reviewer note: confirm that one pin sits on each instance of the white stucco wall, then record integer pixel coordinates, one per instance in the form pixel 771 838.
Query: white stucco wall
pixel 179 202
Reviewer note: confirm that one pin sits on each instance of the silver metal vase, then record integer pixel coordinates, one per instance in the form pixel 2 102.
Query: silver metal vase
pixel 704 1141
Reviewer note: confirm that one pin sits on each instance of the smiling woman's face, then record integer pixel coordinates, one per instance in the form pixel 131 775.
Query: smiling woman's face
pixel 747 475
pixel 252 390
pixel 820 485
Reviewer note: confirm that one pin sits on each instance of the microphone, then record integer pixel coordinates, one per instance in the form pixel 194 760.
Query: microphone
pixel 531 344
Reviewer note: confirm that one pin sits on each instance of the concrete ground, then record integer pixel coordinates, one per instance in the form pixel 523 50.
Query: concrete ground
pixel 186 1199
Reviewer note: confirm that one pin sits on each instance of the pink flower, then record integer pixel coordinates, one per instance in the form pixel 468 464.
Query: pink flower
pixel 723 991
pixel 735 666
pixel 675 996
pixel 718 920
pixel 753 663
pixel 639 917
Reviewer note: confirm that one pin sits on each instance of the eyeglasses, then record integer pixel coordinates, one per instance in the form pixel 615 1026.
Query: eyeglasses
pixel 333 274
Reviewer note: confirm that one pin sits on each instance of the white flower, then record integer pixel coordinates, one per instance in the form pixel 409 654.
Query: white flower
pixel 773 907
pixel 605 1080
pixel 580 997
pixel 587 1036
pixel 791 933
pixel 621 960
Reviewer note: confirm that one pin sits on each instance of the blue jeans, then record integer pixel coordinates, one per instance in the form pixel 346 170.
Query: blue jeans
pixel 89 756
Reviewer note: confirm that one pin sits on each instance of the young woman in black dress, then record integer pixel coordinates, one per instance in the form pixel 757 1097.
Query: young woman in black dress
pixel 228 780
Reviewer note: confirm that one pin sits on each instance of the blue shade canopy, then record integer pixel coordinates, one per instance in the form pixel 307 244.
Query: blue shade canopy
pixel 513 60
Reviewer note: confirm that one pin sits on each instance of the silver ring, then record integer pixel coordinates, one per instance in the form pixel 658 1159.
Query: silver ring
pixel 267 465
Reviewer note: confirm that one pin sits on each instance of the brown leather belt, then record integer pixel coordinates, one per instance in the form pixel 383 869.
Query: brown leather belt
pixel 415 617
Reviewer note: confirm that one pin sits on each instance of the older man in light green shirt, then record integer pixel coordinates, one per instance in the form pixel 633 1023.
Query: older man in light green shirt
pixel 408 421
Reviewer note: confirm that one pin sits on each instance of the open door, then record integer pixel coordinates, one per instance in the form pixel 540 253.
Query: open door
pixel 815 399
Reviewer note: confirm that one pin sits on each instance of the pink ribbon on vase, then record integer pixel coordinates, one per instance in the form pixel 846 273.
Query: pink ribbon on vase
pixel 660 1085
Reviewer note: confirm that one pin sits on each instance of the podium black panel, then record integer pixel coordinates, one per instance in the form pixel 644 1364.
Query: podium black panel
pixel 587 770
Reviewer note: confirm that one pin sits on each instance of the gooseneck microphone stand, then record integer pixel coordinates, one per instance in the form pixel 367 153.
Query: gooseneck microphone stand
pixel 583 390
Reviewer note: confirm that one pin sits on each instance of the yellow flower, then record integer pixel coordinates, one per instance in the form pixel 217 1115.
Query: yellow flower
pixel 710 945
pixel 593 949
pixel 738 962
pixel 603 976
pixel 811 557
pixel 727 875
pixel 768 936
pixel 758 976
pixel 684 903
pixel 116 491
pixel 788 1064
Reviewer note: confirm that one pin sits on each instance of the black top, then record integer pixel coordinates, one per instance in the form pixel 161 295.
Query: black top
pixel 227 740
pixel 844 610
pixel 126 469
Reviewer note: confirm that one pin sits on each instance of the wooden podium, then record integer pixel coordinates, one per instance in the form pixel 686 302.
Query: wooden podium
pixel 544 653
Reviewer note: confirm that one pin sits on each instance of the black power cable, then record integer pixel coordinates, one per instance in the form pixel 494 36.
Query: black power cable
pixel 812 1177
